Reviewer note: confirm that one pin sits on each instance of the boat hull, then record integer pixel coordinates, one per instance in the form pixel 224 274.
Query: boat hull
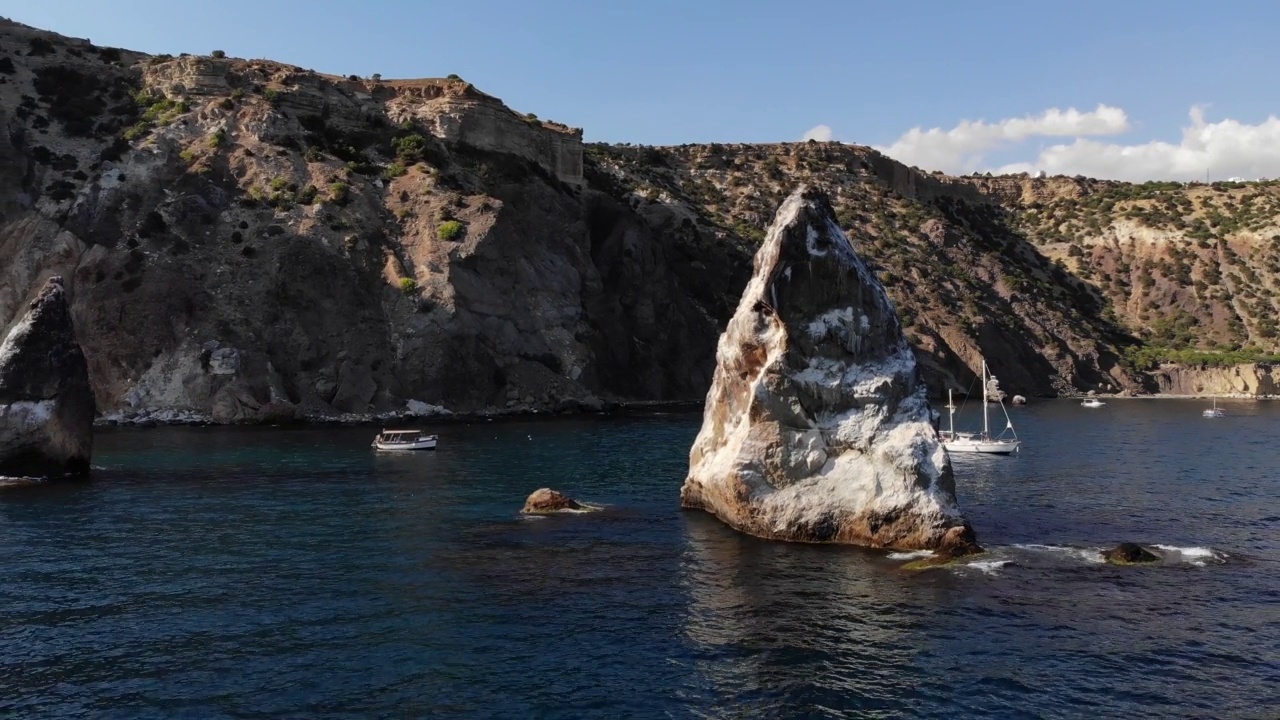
pixel 428 444
pixel 986 447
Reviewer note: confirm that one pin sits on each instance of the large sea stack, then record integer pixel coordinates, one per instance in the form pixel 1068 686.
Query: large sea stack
pixel 816 428
pixel 46 405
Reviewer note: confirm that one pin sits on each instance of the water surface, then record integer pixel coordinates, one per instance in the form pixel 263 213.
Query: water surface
pixel 211 572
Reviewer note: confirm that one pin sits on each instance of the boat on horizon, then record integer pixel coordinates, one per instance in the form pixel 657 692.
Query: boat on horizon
pixel 1213 412
pixel 979 442
pixel 401 440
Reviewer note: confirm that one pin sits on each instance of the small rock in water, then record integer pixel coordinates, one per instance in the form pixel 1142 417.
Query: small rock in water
pixel 546 500
pixel 1019 400
pixel 1129 554
pixel 817 427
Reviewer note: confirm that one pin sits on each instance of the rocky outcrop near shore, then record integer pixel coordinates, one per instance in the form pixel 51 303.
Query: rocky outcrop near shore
pixel 817 427
pixel 46 405
pixel 1244 380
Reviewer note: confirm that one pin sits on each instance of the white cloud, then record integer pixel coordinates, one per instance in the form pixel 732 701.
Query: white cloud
pixel 821 133
pixel 961 148
pixel 1223 149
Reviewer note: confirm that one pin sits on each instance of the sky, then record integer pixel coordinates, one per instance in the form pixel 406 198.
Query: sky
pixel 1123 89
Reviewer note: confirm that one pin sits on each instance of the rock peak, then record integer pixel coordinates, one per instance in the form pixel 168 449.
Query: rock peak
pixel 46 405
pixel 817 427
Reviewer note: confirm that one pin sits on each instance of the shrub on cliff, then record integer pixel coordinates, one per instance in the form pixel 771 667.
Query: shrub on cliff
pixel 218 54
pixel 450 230
pixel 410 148
pixel 6 66
pixel 339 193
pixel 408 286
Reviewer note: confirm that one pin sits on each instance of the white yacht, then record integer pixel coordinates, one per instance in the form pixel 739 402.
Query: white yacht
pixel 980 442
pixel 404 440
pixel 1091 403
pixel 1213 412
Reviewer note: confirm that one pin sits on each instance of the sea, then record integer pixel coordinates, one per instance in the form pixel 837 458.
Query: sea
pixel 295 573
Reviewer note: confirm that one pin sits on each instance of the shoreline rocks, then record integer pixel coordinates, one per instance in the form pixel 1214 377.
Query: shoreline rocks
pixel 817 427
pixel 46 404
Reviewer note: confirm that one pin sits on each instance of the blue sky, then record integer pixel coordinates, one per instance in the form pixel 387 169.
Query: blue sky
pixel 666 72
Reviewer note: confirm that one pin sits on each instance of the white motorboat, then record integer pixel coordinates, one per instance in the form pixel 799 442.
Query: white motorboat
pixel 404 440
pixel 1213 412
pixel 979 442
pixel 1091 403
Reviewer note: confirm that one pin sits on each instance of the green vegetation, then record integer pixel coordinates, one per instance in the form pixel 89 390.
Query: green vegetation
pixel 155 110
pixel 394 170
pixel 218 139
pixel 1148 357
pixel 339 193
pixel 218 54
pixel 307 195
pixel 237 93
pixel 410 148
pixel 188 156
pixel 450 230
pixel 408 286
pixel 453 77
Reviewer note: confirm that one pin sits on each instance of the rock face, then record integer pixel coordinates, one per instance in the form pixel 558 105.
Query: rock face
pixel 546 500
pixel 46 405
pixel 817 426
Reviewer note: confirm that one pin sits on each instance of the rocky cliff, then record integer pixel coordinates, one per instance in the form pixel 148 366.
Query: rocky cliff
pixel 244 240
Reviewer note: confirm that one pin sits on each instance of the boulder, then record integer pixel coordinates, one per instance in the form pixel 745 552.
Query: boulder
pixel 817 427
pixel 546 500
pixel 46 404
pixel 1129 554
pixel 1019 400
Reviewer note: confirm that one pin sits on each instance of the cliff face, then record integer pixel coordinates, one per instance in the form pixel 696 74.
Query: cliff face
pixel 248 241
pixel 245 240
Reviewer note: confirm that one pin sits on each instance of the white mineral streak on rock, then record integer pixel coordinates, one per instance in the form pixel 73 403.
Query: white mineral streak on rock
pixel 816 427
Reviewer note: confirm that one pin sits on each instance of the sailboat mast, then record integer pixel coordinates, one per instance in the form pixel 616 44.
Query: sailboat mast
pixel 985 429
pixel 951 414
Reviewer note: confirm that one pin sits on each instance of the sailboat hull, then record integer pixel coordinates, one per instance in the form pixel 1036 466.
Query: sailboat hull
pixel 987 447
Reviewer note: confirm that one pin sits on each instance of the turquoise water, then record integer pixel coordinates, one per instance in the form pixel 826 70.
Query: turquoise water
pixel 210 572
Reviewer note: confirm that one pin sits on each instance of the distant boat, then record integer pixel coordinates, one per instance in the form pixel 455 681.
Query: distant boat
pixel 1213 411
pixel 1092 403
pixel 967 442
pixel 404 440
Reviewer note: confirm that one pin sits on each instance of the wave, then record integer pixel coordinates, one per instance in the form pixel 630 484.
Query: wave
pixel 987 566
pixel 910 555
pixel 1092 556
pixel 1195 555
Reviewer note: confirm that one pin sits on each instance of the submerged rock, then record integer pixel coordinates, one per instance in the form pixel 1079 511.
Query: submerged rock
pixel 1129 554
pixel 546 500
pixel 817 427
pixel 46 405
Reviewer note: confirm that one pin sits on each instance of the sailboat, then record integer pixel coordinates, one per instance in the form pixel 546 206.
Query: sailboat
pixel 968 442
pixel 1214 411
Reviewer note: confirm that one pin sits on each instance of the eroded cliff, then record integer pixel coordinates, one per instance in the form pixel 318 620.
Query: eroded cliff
pixel 246 241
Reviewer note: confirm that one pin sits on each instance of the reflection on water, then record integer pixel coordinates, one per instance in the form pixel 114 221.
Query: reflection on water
pixel 223 572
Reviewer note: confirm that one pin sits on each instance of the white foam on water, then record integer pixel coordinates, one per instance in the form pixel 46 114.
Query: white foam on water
pixel 1197 556
pixel 1092 556
pixel 987 566
pixel 910 554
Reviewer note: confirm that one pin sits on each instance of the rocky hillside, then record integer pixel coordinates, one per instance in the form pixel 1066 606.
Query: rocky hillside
pixel 247 240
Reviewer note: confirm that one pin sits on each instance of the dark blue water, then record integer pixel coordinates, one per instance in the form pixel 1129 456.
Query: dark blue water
pixel 293 573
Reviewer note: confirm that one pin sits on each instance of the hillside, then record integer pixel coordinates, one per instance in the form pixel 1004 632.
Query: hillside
pixel 247 240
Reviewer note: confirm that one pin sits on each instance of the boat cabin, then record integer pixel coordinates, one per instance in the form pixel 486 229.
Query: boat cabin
pixel 396 437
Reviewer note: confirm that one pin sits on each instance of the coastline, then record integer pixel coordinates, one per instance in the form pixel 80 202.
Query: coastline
pixel 439 416
pixel 182 418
